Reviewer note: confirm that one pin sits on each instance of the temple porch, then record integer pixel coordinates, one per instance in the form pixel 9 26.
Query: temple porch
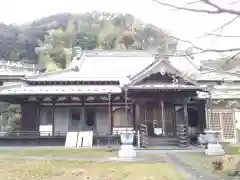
pixel 54 116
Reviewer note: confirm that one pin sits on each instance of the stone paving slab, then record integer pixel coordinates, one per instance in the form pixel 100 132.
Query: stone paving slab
pixel 193 168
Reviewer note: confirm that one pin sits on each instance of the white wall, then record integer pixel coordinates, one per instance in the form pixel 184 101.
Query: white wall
pixel 62 116
pixel 61 119
pixel 120 119
pixel 103 123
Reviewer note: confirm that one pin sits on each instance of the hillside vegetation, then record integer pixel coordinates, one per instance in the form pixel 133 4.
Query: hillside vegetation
pixel 49 41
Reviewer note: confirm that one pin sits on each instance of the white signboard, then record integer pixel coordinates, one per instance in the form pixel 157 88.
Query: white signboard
pixel 71 139
pixel 45 130
pixel 85 139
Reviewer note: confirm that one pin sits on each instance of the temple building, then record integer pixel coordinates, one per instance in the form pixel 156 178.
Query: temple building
pixel 105 90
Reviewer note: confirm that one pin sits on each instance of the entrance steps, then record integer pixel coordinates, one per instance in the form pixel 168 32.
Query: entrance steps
pixel 162 141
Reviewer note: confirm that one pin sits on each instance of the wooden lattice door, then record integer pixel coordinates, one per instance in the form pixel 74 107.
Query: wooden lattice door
pixel 228 124
pixel 216 121
pixel 170 121
pixel 224 121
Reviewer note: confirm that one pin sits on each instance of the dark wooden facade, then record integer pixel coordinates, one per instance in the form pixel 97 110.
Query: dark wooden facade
pixel 150 99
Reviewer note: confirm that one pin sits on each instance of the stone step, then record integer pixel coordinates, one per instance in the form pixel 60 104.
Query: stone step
pixel 162 141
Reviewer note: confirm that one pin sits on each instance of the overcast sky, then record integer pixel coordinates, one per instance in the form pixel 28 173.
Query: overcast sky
pixel 182 24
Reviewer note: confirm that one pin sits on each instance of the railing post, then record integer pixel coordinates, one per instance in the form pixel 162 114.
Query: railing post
pixel 138 139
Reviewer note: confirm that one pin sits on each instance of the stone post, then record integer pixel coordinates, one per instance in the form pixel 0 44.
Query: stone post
pixel 127 150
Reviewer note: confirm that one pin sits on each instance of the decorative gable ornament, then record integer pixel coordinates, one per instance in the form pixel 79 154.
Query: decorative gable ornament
pixel 47 99
pixel 104 98
pixel 117 98
pixel 90 98
pixel 63 98
pixel 162 71
pixel 32 98
pixel 75 98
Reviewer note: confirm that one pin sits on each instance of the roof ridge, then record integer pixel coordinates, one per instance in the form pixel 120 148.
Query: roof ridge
pixel 147 67
pixel 47 74
pixel 10 86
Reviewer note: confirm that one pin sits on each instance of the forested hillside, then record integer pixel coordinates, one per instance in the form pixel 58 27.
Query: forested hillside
pixel 49 40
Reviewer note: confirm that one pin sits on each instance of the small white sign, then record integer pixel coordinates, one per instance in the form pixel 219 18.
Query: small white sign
pixel 45 130
pixel 238 125
pixel 158 131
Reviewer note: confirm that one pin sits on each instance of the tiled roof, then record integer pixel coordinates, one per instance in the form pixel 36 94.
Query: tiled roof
pixel 113 65
pixel 59 89
pixel 216 76
pixel 98 66
pixel 165 86
pixel 220 95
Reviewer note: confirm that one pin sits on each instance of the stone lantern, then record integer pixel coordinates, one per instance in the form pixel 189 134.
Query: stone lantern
pixel 214 148
pixel 127 150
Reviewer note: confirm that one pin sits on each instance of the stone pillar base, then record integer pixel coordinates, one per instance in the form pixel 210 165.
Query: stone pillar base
pixel 214 150
pixel 127 151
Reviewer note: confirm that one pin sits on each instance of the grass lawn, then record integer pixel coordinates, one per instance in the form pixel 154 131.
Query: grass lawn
pixel 75 170
pixel 229 161
pixel 95 153
pixel 59 152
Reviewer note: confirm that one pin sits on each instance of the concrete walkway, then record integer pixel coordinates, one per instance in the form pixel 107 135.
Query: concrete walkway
pixel 191 168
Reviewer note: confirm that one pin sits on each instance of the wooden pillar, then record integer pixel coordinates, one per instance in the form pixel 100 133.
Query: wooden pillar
pixel 39 100
pixel 82 121
pixel 134 115
pixel 38 117
pixel 201 107
pixel 163 119
pixel 126 105
pixel 185 115
pixel 53 115
pixel 110 112
pixel 185 112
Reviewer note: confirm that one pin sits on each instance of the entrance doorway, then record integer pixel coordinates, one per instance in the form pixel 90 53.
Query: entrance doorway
pixel 120 119
pixel 82 119
pixel 90 118
pixel 160 120
pixel 75 120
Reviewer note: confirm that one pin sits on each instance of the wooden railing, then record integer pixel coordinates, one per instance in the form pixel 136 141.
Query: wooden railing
pixel 143 135
pixel 30 134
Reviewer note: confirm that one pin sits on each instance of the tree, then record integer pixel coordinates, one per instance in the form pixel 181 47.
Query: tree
pixel 49 41
pixel 97 30
pixel 10 117
pixel 211 8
